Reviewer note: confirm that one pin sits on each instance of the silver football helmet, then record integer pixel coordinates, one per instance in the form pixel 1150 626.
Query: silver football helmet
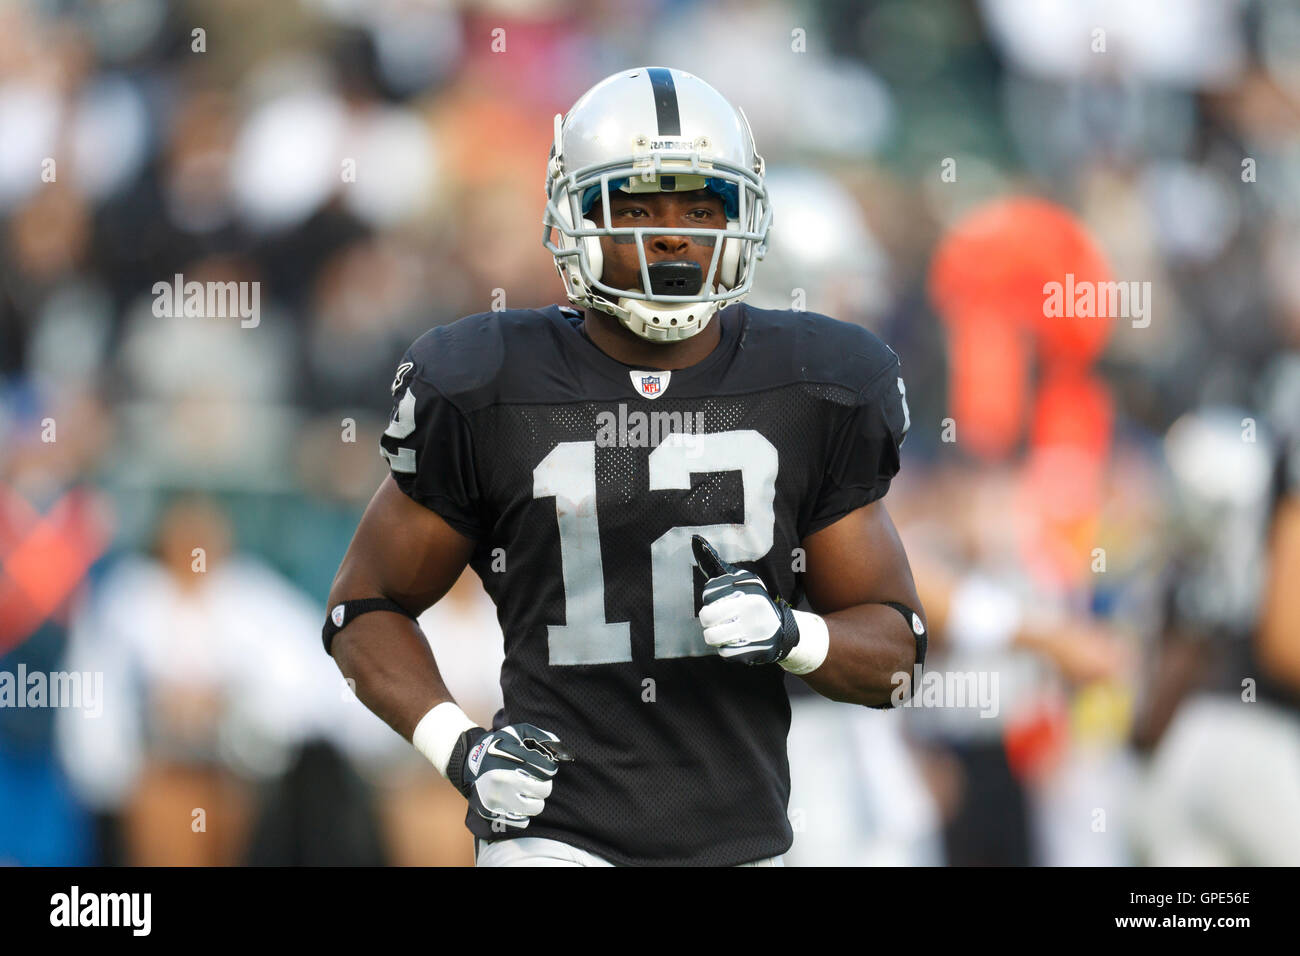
pixel 655 129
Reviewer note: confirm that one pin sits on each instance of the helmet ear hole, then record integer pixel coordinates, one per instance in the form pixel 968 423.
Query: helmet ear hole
pixel 729 263
pixel 595 257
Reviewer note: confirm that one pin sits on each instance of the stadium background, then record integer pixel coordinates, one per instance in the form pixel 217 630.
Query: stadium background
pixel 1099 512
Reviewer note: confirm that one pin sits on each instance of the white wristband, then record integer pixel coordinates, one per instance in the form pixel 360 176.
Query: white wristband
pixel 814 643
pixel 436 734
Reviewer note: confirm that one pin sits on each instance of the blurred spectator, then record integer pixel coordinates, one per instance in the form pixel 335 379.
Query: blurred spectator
pixel 212 676
pixel 1222 721
pixel 54 531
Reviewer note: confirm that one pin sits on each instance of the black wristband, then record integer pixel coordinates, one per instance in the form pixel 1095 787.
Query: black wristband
pixel 341 615
pixel 922 637
pixel 917 627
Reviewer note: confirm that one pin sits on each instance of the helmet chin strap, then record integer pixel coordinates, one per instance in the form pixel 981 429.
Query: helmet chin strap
pixel 661 321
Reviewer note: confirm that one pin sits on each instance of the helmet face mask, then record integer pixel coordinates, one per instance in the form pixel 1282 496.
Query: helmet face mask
pixel 654 130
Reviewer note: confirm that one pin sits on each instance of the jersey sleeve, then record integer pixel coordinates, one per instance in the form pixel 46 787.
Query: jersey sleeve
pixel 430 449
pixel 862 456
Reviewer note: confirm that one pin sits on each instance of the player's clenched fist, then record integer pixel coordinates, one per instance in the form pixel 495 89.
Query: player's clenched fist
pixel 506 774
pixel 739 617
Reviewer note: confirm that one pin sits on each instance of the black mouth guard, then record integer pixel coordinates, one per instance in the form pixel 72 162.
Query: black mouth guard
pixel 676 278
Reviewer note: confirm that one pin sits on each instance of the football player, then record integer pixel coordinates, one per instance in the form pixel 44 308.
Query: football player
pixel 647 484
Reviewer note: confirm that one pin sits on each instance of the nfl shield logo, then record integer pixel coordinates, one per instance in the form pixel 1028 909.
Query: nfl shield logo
pixel 649 383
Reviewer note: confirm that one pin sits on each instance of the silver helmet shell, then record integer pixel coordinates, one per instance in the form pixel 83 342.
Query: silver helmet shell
pixel 654 129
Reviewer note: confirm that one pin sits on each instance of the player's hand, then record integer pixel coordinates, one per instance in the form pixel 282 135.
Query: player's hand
pixel 506 774
pixel 739 617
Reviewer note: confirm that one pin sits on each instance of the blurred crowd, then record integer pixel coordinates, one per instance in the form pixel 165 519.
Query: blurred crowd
pixel 1103 514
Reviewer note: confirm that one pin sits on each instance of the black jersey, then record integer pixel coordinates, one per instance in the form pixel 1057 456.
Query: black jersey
pixel 581 480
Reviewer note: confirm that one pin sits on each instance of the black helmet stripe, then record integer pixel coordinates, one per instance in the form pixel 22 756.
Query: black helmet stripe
pixel 661 81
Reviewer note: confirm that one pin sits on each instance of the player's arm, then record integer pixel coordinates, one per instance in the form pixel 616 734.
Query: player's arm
pixel 867 627
pixel 406 553
pixel 415 539
pixel 860 584
pixel 866 631
pixel 409 555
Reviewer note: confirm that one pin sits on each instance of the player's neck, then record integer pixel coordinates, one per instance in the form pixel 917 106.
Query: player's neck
pixel 623 345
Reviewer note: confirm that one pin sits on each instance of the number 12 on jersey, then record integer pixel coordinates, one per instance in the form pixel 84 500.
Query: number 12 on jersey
pixel 568 474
